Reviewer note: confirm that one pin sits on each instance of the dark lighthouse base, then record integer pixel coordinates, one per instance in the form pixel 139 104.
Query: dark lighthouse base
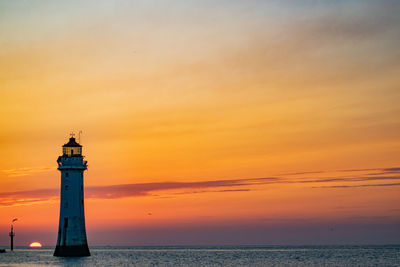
pixel 72 251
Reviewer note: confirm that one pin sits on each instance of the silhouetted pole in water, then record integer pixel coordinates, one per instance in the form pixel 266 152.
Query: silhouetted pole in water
pixel 12 234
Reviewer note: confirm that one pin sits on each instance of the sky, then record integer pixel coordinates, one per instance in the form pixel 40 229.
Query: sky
pixel 204 122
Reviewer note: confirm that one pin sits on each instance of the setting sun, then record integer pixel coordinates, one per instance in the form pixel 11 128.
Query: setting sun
pixel 35 245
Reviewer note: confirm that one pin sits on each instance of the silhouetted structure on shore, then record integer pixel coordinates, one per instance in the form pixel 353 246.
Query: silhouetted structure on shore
pixel 12 234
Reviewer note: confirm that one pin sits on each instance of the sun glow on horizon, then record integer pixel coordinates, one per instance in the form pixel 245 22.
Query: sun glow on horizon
pixel 35 245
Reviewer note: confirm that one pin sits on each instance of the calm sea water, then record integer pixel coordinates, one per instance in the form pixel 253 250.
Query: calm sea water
pixel 213 256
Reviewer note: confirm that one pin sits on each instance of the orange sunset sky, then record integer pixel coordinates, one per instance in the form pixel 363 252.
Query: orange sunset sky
pixel 204 122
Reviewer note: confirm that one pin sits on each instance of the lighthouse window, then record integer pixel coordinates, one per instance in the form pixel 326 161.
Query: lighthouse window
pixel 66 174
pixel 66 188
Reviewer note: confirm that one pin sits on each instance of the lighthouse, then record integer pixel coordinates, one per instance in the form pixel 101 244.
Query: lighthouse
pixel 72 241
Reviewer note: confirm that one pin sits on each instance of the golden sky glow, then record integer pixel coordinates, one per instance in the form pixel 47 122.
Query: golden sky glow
pixel 202 112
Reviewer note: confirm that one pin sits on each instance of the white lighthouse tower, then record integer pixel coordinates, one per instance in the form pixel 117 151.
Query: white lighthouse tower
pixel 71 241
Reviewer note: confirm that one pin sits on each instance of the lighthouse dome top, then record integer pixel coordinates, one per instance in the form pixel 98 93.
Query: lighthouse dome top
pixel 72 143
pixel 72 148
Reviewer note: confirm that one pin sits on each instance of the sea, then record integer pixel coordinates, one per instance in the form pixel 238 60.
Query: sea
pixel 388 255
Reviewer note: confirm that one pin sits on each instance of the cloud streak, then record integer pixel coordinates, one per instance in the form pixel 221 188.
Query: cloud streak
pixel 355 186
pixel 25 171
pixel 211 186
pixel 27 197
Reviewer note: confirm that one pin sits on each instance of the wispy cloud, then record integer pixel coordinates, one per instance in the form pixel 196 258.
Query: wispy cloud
pixel 27 197
pixel 353 186
pixel 130 190
pixel 25 171
pixel 345 179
